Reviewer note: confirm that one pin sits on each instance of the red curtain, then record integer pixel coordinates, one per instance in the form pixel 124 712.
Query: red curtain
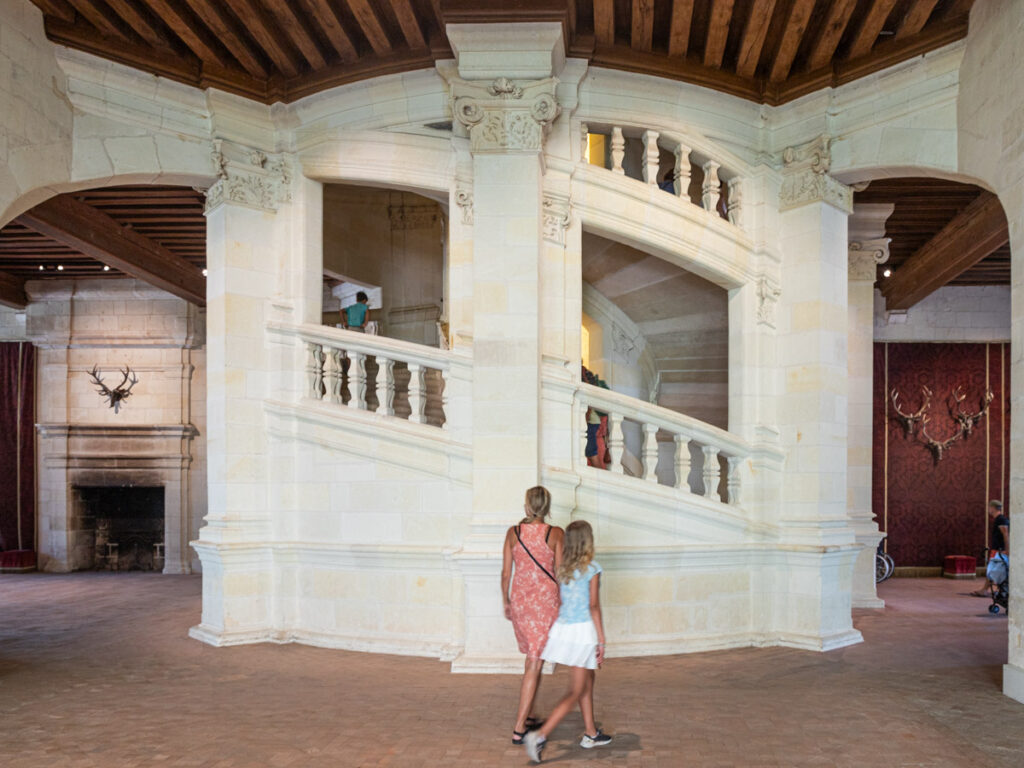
pixel 17 445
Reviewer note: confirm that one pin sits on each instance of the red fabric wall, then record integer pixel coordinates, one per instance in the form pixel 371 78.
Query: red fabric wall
pixel 17 358
pixel 928 509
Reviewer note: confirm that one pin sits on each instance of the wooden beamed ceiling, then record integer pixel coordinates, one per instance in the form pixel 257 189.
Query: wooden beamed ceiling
pixel 769 51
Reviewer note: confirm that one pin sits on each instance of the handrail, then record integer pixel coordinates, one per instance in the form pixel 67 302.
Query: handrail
pixel 396 349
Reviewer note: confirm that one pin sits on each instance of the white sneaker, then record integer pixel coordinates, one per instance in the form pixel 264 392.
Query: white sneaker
pixel 534 744
pixel 600 739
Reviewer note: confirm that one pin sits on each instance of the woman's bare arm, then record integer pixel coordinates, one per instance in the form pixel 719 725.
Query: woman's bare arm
pixel 506 573
pixel 595 614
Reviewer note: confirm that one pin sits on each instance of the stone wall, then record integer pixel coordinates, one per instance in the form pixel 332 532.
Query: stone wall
pixel 12 324
pixel 954 313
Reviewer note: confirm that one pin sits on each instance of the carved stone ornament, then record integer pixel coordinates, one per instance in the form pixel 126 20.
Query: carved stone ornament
pixel 464 199
pixel 624 345
pixel 865 256
pixel 556 219
pixel 806 180
pixel 405 217
pixel 768 294
pixel 504 116
pixel 248 177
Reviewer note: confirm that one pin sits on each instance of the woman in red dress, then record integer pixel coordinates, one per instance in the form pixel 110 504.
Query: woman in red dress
pixel 535 548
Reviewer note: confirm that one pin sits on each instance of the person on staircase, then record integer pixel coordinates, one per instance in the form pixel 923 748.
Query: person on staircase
pixel 354 316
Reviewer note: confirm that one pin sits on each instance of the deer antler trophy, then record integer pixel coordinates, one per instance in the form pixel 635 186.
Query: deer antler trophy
pixel 964 422
pixel 909 419
pixel 118 394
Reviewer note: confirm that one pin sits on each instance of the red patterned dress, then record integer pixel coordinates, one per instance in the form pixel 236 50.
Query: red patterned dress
pixel 534 596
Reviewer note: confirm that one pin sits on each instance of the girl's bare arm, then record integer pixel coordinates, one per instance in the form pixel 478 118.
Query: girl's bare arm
pixel 595 614
pixel 506 572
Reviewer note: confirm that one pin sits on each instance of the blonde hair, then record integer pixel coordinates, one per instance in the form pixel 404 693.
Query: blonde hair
pixel 538 504
pixel 578 550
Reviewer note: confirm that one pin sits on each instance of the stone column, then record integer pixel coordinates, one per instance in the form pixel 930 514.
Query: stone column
pixel 245 236
pixel 505 114
pixel 867 249
pixel 815 594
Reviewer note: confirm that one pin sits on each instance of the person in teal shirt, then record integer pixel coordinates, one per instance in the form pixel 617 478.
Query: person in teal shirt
pixel 354 317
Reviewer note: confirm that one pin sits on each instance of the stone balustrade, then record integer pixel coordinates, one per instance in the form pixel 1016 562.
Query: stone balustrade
pixel 643 154
pixel 717 448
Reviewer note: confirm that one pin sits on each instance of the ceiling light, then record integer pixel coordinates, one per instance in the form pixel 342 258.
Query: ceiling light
pixel 60 267
pixel 886 272
pixel 106 267
pixel 204 272
pixel 41 267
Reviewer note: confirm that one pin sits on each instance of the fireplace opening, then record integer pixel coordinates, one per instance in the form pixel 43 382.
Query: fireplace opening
pixel 122 529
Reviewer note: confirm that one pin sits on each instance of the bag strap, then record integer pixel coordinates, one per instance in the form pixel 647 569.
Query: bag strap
pixel 516 529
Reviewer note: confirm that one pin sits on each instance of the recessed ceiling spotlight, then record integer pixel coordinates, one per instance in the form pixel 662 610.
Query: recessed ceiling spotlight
pixel 60 267
pixel 204 271
pixel 106 267
pixel 887 273
pixel 41 267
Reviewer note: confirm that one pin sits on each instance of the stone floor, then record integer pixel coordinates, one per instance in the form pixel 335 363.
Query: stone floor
pixel 97 670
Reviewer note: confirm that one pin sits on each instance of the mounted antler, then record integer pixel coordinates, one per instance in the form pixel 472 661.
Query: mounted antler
pixel 968 421
pixel 909 419
pixel 118 394
pixel 938 446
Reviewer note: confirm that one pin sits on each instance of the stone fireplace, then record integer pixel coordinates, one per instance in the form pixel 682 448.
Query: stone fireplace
pixel 126 525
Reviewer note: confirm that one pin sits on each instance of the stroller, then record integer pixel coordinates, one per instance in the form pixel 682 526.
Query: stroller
pixel 998 572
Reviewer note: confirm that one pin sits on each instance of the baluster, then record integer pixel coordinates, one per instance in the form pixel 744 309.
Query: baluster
pixel 735 209
pixel 682 174
pixel 385 386
pixel 445 374
pixel 683 463
pixel 335 374
pixel 357 381
pixel 417 399
pixel 615 442
pixel 651 157
pixel 618 150
pixel 585 140
pixel 712 186
pixel 583 443
pixel 315 371
pixel 650 452
pixel 732 481
pixel 711 472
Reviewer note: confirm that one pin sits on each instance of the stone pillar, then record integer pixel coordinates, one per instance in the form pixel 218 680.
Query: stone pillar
pixel 813 408
pixel 867 249
pixel 505 114
pixel 245 236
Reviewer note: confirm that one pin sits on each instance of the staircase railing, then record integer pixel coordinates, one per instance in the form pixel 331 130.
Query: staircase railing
pixel 716 446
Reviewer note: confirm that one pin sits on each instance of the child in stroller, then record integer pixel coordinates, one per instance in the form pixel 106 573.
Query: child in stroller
pixel 998 574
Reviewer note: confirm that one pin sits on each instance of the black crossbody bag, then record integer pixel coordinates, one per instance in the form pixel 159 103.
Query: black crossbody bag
pixel 525 549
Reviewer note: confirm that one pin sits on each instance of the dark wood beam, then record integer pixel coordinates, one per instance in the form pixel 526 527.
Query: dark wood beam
pixel 266 35
pixel 57 8
pixel 191 31
pixel 968 238
pixel 796 23
pixel 873 22
pixel 753 37
pixel 296 31
pixel 718 32
pixel 409 23
pixel 92 233
pixel 679 27
pixel 371 27
pixel 642 30
pixel 12 291
pixel 327 18
pixel 142 26
pixel 916 18
pixel 98 18
pixel 831 33
pixel 604 21
pixel 217 18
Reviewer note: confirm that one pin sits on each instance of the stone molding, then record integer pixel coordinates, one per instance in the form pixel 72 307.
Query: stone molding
pixel 865 256
pixel 505 116
pixel 768 293
pixel 806 180
pixel 557 217
pixel 248 177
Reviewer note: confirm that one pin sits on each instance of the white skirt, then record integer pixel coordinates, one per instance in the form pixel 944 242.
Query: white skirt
pixel 574 645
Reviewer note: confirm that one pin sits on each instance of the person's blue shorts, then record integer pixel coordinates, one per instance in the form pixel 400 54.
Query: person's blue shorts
pixel 591 449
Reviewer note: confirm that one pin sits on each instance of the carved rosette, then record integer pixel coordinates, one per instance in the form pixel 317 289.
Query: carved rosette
pixel 865 256
pixel 556 219
pixel 806 180
pixel 464 199
pixel 768 293
pixel 504 116
pixel 248 177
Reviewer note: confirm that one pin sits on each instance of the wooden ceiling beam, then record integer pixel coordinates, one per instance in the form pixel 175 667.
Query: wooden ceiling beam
pixel 916 18
pixel 371 27
pixel 296 31
pixel 679 27
pixel 139 23
pixel 195 36
pixel 94 234
pixel 974 233
pixel 872 24
pixel 409 23
pixel 216 17
pixel 98 19
pixel 604 22
pixel 642 31
pixel 831 33
pixel 56 8
pixel 324 14
pixel 796 23
pixel 753 37
pixel 270 39
pixel 12 291
pixel 718 32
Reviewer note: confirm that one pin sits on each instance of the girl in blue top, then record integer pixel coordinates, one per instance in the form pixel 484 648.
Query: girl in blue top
pixel 576 639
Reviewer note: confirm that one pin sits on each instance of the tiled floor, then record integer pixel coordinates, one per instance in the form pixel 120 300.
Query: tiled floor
pixel 97 670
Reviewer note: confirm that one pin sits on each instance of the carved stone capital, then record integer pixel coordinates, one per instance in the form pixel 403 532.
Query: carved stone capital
pixel 865 256
pixel 806 180
pixel 248 177
pixel 768 293
pixel 503 115
pixel 556 219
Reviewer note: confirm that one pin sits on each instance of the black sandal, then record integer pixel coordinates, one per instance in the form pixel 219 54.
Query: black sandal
pixel 517 737
pixel 533 723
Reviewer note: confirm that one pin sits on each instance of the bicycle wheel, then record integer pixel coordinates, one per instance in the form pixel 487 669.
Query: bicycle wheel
pixel 890 566
pixel 881 569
